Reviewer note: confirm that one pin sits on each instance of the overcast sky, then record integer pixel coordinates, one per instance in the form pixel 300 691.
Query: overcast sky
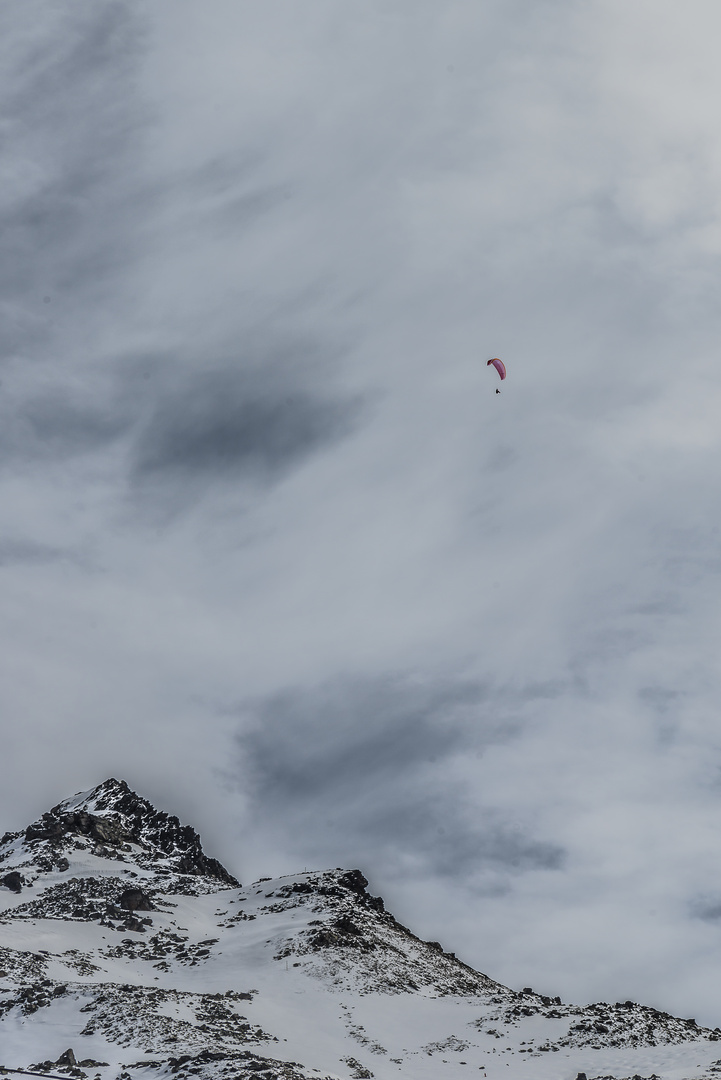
pixel 274 551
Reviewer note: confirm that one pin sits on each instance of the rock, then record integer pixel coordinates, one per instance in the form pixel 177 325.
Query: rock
pixel 47 828
pixel 106 830
pixel 12 881
pixel 54 825
pixel 135 900
pixel 175 1063
pixel 346 926
pixel 68 1058
pixel 356 882
pixel 581 1076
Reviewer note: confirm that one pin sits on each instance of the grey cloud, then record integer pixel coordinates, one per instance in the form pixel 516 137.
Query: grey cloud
pixel 309 742
pixel 230 193
pixel 178 429
pixel 18 552
pixel 660 606
pixel 60 422
pixel 435 827
pixel 252 204
pixel 73 118
pixel 707 908
pixel 58 425
pixel 549 689
pixel 361 766
pixel 659 698
pixel 224 422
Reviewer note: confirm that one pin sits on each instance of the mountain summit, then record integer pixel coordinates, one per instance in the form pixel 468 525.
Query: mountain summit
pixel 114 819
pixel 126 953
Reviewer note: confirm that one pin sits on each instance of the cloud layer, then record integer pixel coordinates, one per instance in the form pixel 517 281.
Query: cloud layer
pixel 273 548
pixel 363 767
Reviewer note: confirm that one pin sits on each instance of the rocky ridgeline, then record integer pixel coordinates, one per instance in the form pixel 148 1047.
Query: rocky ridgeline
pixel 359 945
pixel 112 818
pixel 620 1025
pixel 198 975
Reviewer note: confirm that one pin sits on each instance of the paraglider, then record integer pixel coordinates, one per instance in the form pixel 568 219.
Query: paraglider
pixel 499 366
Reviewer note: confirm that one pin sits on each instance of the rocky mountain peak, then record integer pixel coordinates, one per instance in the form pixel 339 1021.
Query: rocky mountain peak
pixel 124 948
pixel 112 816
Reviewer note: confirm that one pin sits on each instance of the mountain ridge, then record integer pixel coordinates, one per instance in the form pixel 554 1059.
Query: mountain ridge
pixel 112 813
pixel 123 945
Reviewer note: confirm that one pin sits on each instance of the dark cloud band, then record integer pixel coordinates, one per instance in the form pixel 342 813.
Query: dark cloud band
pixel 367 766
pixel 222 424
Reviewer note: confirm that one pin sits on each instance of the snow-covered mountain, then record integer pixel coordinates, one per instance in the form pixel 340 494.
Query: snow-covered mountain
pixel 125 952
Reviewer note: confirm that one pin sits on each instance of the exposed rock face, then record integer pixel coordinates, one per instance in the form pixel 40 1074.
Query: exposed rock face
pixel 357 883
pixel 113 816
pixel 54 825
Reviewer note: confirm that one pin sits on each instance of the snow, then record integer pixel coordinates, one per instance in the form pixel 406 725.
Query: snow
pixel 304 969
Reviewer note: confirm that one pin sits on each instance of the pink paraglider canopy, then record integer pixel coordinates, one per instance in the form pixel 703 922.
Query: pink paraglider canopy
pixel 498 365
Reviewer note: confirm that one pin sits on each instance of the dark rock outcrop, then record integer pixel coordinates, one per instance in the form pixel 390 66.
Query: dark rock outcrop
pixel 55 825
pixel 47 828
pixel 357 883
pixel 12 881
pixel 135 900
pixel 354 880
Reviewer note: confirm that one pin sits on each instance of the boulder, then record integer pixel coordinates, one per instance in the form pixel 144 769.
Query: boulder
pixel 135 900
pixel 12 881
pixel 135 925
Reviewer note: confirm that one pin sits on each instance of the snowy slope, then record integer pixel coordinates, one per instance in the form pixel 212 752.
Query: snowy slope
pixel 128 945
